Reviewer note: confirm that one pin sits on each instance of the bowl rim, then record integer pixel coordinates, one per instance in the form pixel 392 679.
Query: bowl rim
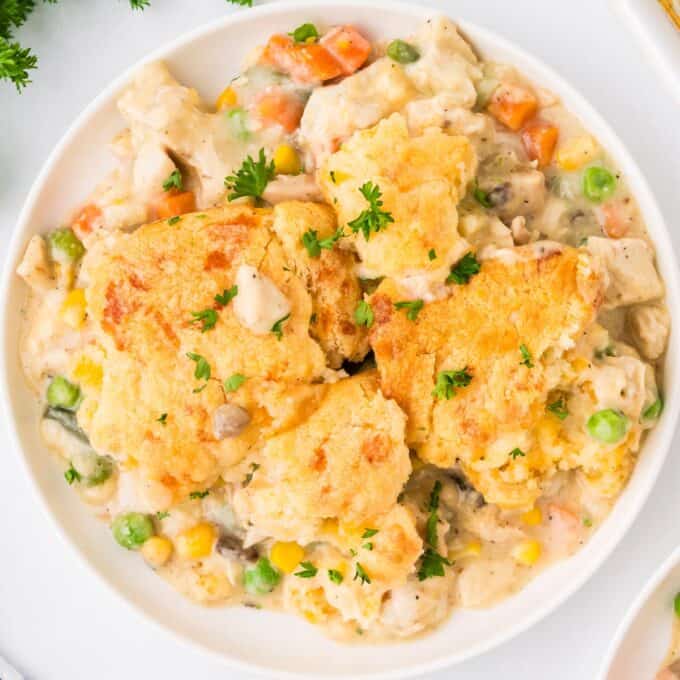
pixel 665 429
pixel 641 599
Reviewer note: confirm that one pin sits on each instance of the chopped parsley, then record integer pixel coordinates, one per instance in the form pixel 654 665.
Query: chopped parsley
pixel 526 356
pixel 308 570
pixel 251 178
pixel 482 197
pixel 559 408
pixel 174 220
pixel 206 317
pixel 277 328
pixel 305 34
pixel 163 420
pixel 432 564
pixel 412 308
pixel 72 475
pixel 374 218
pixel 608 351
pixel 227 296
pixel 361 574
pixel 235 381
pixel 335 576
pixel 174 181
pixel 433 518
pixel 369 533
pixel 367 546
pixel 363 314
pixel 587 522
pixel 432 254
pixel 517 453
pixel 315 245
pixel 448 381
pixel 162 515
pixel 464 270
pixel 202 371
pixel 254 467
pixel 197 495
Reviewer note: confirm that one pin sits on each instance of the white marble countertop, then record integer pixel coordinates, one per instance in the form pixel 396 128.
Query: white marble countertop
pixel 56 620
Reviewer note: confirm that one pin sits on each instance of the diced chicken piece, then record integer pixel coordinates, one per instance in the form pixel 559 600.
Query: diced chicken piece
pixel 485 581
pixel 562 532
pixel 292 188
pixel 523 193
pixel 649 326
pixel 333 113
pixel 632 275
pixel 152 166
pixel 35 267
pixel 485 233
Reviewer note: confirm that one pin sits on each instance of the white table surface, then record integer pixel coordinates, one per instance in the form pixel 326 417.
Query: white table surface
pixel 56 620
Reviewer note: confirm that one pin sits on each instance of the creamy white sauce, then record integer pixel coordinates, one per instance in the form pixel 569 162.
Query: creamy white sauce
pixel 259 303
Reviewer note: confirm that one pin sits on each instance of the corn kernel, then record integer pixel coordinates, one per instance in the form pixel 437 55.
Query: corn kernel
pixel 472 549
pixel 580 364
pixel 227 99
pixel 329 526
pixel 527 552
pixel 88 372
pixel 197 542
pixel 72 310
pixel 130 463
pixel 575 153
pixel 286 555
pixel 533 517
pixel 156 551
pixel 286 160
pixel 337 177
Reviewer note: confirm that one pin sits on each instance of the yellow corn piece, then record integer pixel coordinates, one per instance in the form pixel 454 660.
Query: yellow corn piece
pixel 329 526
pixel 286 555
pixel 88 372
pixel 337 176
pixel 156 551
pixel 227 99
pixel 580 364
pixel 533 517
pixel 575 153
pixel 73 308
pixel 286 160
pixel 527 552
pixel 130 463
pixel 197 542
pixel 472 549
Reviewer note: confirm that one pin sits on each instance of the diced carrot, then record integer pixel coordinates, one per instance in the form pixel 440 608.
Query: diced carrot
pixel 83 222
pixel 512 105
pixel 348 46
pixel 304 62
pixel 174 203
pixel 277 107
pixel 615 219
pixel 539 139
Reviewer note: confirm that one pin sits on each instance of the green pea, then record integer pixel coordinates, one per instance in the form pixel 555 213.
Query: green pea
pixel 608 426
pixel 402 52
pixel 676 604
pixel 65 245
pixel 61 393
pixel 598 183
pixel 262 578
pixel 238 120
pixel 132 529
pixel 653 411
pixel 102 469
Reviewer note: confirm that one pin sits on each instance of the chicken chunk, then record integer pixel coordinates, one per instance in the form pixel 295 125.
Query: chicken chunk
pixel 292 188
pixel 35 267
pixel 649 326
pixel 522 192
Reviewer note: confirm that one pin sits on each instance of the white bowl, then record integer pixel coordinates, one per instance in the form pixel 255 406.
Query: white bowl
pixel 643 639
pixel 246 638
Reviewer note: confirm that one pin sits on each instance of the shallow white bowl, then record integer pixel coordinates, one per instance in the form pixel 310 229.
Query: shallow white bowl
pixel 644 636
pixel 246 638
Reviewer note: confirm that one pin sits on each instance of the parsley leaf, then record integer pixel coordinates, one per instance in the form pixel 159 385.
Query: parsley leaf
pixel 173 181
pixel 367 546
pixel 277 328
pixel 361 574
pixel 587 522
pixel 432 254
pixel 208 317
pixel 163 420
pixel 202 371
pixel 481 196
pixel 464 270
pixel 308 570
pixel 373 219
pixel 305 33
pixel 139 4
pixel 433 518
pixel 315 245
pixel 448 381
pixel 72 475
pixel 335 576
pixel 197 495
pixel 242 3
pixel 432 564
pixel 251 178
pixel 174 220
pixel 369 533
pixel 517 453
pixel 162 515
pixel 559 408
pixel 227 296
pixel 526 356
pixel 15 63
pixel 413 308
pixel 363 314
pixel 254 467
pixel 235 381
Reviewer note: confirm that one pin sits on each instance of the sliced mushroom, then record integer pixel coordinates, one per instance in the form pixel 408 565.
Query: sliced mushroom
pixel 229 420
pixel 230 545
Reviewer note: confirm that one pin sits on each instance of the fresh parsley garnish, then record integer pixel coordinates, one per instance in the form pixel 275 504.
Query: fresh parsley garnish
pixel 206 317
pixel 361 574
pixel 335 576
pixel 174 220
pixel 433 517
pixel 72 475
pixel 202 371
pixel 464 270
pixel 448 381
pixel 517 453
pixel 432 254
pixel 197 495
pixel 369 533
pixel 526 356
pixel 305 33
pixel 432 564
pixel 412 308
pixel 308 570
pixel 254 467
pixel 608 351
pixel 235 381
pixel 559 408
pixel 315 245
pixel 173 181
pixel 162 515
pixel 241 3
pixel 587 522
pixel 363 314
pixel 227 296
pixel 277 328
pixel 251 178
pixel 163 420
pixel 482 197
pixel 374 218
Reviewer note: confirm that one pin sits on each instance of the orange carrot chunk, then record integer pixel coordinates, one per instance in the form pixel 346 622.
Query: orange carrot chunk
pixel 615 219
pixel 512 105
pixel 348 46
pixel 174 203
pixel 539 139
pixel 83 222
pixel 276 107
pixel 303 62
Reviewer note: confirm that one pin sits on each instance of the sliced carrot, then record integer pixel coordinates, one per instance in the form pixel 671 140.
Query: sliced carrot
pixel 512 105
pixel 303 62
pixel 348 46
pixel 83 222
pixel 615 219
pixel 174 203
pixel 539 139
pixel 277 107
